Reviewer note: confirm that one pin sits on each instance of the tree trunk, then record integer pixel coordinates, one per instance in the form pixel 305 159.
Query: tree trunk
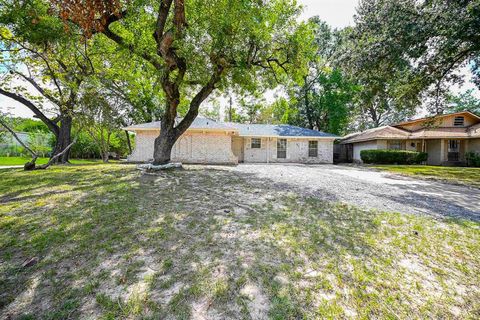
pixel 163 146
pixel 64 139
pixel 129 143
pixel 105 156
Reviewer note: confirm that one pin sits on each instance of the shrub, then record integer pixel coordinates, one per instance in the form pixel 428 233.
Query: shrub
pixel 473 159
pixel 13 151
pixel 393 156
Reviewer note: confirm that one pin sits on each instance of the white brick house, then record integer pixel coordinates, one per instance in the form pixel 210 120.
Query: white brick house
pixel 208 141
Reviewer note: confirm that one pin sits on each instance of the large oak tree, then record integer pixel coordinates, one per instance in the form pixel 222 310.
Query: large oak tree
pixel 416 47
pixel 198 46
pixel 43 67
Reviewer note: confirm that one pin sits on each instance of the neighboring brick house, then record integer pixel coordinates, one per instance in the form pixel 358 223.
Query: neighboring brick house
pixel 208 141
pixel 446 138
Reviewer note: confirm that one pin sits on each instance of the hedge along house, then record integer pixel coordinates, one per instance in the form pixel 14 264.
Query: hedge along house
pixel 211 142
pixel 446 138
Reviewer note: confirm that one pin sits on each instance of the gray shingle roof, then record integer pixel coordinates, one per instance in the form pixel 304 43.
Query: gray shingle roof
pixel 258 130
pixel 198 123
pixel 280 130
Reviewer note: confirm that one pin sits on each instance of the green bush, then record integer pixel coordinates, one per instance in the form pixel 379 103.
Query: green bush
pixel 13 151
pixel 473 159
pixel 393 156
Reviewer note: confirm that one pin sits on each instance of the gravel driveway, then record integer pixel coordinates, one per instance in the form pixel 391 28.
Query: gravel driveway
pixel 369 189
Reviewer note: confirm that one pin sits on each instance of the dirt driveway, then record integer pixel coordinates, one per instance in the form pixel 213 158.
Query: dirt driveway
pixel 368 188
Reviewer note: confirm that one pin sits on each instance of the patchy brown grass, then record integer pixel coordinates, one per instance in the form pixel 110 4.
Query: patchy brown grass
pixel 208 243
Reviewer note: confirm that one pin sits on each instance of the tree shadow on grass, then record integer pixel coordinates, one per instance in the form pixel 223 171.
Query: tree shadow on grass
pixel 194 243
pixel 440 200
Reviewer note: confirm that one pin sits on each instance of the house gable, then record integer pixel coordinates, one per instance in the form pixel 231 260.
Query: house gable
pixel 455 120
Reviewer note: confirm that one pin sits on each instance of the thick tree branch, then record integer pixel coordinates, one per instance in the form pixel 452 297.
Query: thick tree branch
pixel 34 155
pixel 39 88
pixel 163 11
pixel 43 58
pixel 49 123
pixel 198 99
pixel 58 155
pixel 121 42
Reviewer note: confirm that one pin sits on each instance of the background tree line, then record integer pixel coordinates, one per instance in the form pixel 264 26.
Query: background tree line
pixel 42 141
pixel 86 69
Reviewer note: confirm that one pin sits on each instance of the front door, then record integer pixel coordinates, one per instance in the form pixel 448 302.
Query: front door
pixel 453 150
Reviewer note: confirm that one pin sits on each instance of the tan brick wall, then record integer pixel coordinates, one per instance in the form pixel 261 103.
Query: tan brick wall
pixel 434 150
pixel 143 146
pixel 368 145
pixel 474 145
pixel 297 151
pixel 192 147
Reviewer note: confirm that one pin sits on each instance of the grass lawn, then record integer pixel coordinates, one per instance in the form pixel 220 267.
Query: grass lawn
pixel 208 243
pixel 469 176
pixel 20 161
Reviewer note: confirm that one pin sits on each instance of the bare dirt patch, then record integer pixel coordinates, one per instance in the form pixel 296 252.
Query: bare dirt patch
pixel 214 243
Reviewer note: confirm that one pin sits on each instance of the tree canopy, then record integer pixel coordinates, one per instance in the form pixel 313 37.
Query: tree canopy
pixel 416 47
pixel 198 46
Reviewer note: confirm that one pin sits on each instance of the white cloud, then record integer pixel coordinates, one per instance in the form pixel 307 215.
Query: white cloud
pixel 337 13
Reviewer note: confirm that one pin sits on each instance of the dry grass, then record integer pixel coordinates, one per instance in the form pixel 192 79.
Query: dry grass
pixel 206 243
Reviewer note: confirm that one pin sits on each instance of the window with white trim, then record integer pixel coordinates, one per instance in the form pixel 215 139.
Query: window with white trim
pixel 282 148
pixel 256 143
pixel 459 122
pixel 313 149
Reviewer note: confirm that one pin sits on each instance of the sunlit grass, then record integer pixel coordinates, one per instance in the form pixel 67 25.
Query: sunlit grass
pixel 470 176
pixel 20 161
pixel 210 243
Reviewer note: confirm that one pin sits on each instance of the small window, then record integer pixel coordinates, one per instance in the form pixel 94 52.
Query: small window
pixel 313 149
pixel 282 148
pixel 395 145
pixel 459 121
pixel 256 143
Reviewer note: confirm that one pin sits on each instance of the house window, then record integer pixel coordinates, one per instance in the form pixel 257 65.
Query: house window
pixel 313 149
pixel 282 148
pixel 459 121
pixel 256 143
pixel 395 145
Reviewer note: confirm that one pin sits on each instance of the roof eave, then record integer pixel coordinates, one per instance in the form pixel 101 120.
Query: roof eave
pixel 189 129
pixel 287 137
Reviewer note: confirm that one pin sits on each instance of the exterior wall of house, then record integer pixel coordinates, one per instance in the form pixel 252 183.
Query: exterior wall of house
pixel 224 149
pixel 144 141
pixel 413 145
pixel 192 147
pixel 474 145
pixel 237 148
pixel 297 151
pixel 256 155
pixel 368 145
pixel 382 144
pixel 435 150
